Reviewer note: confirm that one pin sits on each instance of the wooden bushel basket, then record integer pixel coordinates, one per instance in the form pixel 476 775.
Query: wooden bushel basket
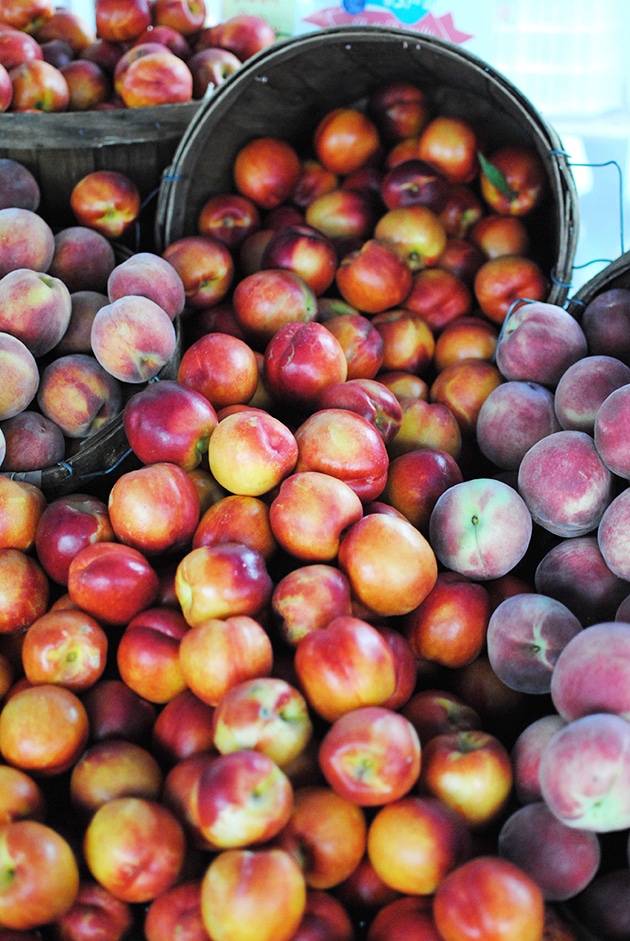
pixel 284 90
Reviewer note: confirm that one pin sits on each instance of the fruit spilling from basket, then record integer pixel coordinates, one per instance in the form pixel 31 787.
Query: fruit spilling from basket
pixel 343 656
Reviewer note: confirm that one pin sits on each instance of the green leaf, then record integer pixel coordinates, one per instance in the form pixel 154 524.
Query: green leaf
pixel 496 178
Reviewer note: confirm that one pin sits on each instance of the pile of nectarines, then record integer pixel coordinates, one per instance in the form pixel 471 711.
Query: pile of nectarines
pixel 345 654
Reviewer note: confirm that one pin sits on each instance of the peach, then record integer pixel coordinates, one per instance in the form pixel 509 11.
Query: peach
pixel 367 397
pixel 526 753
pixel 115 711
pixel 206 267
pixel 26 240
pixel 539 342
pixel 77 338
pixel 35 307
pixel 526 634
pixel 78 394
pixel 606 323
pixel 439 296
pixel 562 860
pixel 32 442
pixel 182 728
pixel 609 420
pixel 612 535
pixel 83 258
pixel 267 714
pixel 480 528
pixel 584 386
pixel 310 513
pixel 603 905
pixel 266 300
pixel 18 185
pixel 591 672
pixel 575 573
pixel 469 337
pixel 301 361
pixel 22 796
pixel 250 452
pixel 565 484
pixel 584 771
pixel 20 376
pixel 133 338
pixel 51 745
pixel 148 275
pixel 24 589
pixel 623 611
pixel 512 418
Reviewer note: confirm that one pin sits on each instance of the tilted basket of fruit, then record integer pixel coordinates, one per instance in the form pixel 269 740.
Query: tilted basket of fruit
pixel 286 90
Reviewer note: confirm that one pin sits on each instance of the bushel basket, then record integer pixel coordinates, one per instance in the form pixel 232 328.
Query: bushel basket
pixel 284 90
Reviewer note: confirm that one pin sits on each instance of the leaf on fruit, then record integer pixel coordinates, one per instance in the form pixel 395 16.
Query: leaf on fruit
pixel 496 178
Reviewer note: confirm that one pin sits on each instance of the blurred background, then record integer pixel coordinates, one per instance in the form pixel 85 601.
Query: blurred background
pixel 569 57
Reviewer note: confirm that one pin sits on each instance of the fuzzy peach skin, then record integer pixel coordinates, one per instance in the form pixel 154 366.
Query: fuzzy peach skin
pixel 480 528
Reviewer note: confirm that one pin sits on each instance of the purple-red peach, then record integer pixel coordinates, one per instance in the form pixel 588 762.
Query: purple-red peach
pixel 480 528
pixel 20 376
pixel 538 342
pixel 32 442
pixel 512 418
pixel 584 386
pixel 609 431
pixel 574 572
pixel 133 338
pixel 606 323
pixel 78 394
pixel 562 860
pixel 26 240
pixel 526 634
pixel 148 275
pixel 83 258
pixel 35 307
pixel 565 483
pixel 592 672
pixel 613 535
pixel 526 753
pixel 584 772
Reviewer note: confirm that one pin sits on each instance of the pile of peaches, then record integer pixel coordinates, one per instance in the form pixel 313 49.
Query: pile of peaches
pixel 140 53
pixel 345 656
